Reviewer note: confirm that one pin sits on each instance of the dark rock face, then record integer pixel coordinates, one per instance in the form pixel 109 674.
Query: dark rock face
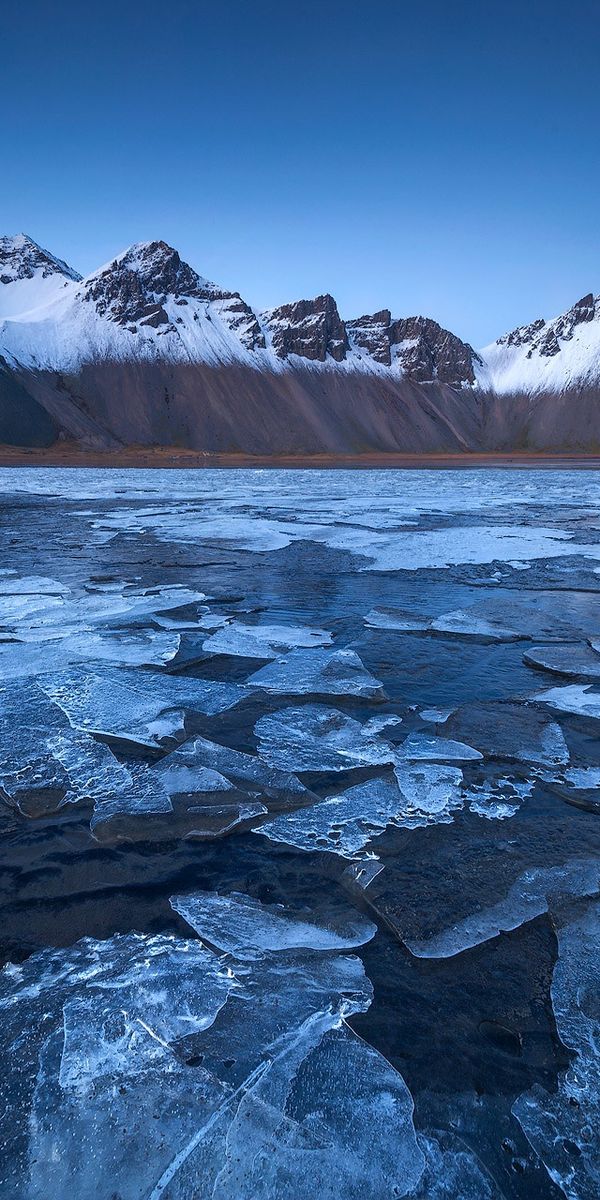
pixel 427 352
pixel 133 289
pixel 22 258
pixel 310 328
pixel 372 334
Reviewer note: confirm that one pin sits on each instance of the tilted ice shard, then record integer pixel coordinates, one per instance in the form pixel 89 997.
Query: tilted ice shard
pixel 563 1126
pixel 534 893
pixel 277 789
pixel 142 707
pixel 424 747
pixel 34 616
pixel 567 660
pixel 44 762
pixel 264 641
pixel 317 738
pixel 244 927
pixel 397 618
pixel 318 673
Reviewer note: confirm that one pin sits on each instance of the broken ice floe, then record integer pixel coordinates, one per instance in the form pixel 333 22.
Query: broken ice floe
pixel 264 641
pixel 346 824
pixel 316 738
pixel 534 893
pixel 143 708
pixel 423 747
pixel 37 616
pixel 576 699
pixel 576 661
pixel 495 619
pixel 562 1126
pixel 242 926
pixel 279 789
pixel 318 673
pixel 44 762
pixel 141 1045
pixel 116 646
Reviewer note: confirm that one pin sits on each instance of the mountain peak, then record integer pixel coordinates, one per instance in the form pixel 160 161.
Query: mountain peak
pixel 22 258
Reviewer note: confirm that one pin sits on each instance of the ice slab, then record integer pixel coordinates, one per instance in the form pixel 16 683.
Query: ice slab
pixel 44 762
pixel 536 891
pixel 575 661
pixel 317 738
pixel 515 732
pixel 33 617
pixel 575 698
pixel 277 789
pixel 138 1077
pixel 239 925
pixel 562 1126
pixel 144 708
pixel 120 647
pixel 347 823
pixel 423 747
pixel 318 673
pixel 397 618
pixel 264 641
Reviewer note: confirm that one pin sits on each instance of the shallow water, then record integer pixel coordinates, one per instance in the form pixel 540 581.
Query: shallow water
pixel 118 591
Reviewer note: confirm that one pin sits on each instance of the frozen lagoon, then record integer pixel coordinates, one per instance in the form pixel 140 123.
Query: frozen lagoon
pixel 300 803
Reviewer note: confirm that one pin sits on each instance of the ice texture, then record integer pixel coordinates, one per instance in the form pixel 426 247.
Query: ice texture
pixel 536 891
pixel 575 698
pixel 245 928
pixel 563 1126
pixel 144 708
pixel 497 799
pixel 264 641
pixel 346 824
pixel 575 661
pixel 424 747
pixel 277 789
pixel 121 647
pixel 318 673
pixel 514 732
pixel 317 738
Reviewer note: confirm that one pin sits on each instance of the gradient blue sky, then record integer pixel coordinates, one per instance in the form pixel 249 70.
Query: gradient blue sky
pixel 439 157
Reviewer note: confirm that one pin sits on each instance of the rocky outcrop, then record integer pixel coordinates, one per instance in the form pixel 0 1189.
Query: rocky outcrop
pixel 22 258
pixel 427 352
pixel 371 334
pixel 311 329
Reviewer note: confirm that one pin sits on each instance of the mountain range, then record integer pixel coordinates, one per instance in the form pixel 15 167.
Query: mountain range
pixel 145 352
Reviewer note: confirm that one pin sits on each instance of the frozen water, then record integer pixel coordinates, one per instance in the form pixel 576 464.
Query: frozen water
pixel 144 708
pixel 346 823
pixel 575 698
pixel 34 617
pixel 121 647
pixel 565 660
pixel 563 1126
pixel 397 618
pixel 497 799
pixel 264 641
pixel 44 763
pixel 423 747
pixel 318 673
pixel 242 926
pixel 537 891
pixel 278 789
pixel 317 738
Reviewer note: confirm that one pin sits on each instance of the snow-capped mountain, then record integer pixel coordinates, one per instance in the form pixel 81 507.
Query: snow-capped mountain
pixel 147 351
pixel 548 356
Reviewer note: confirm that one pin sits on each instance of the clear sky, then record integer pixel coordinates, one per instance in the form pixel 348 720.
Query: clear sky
pixel 438 158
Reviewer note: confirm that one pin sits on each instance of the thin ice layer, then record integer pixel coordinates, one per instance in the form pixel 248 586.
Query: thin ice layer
pixel 44 762
pixel 562 1126
pixel 424 747
pixel 568 660
pixel 277 789
pixel 535 892
pixel 347 823
pixel 140 707
pixel 264 641
pixel 510 731
pixel 575 698
pixel 318 673
pixel 122 647
pixel 317 738
pixel 245 928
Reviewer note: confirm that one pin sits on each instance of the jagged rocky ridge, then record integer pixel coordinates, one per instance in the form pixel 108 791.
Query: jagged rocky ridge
pixel 147 352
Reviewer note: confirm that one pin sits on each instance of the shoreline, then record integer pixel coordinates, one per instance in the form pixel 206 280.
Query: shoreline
pixel 173 459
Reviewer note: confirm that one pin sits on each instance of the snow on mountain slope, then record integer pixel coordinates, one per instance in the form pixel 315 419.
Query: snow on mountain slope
pixel 30 277
pixel 547 356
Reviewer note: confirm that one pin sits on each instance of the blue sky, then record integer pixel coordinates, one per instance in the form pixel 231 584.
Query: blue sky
pixel 440 158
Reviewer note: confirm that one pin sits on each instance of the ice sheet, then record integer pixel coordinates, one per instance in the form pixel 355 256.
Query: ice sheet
pixel 264 641
pixel 317 738
pixel 318 673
